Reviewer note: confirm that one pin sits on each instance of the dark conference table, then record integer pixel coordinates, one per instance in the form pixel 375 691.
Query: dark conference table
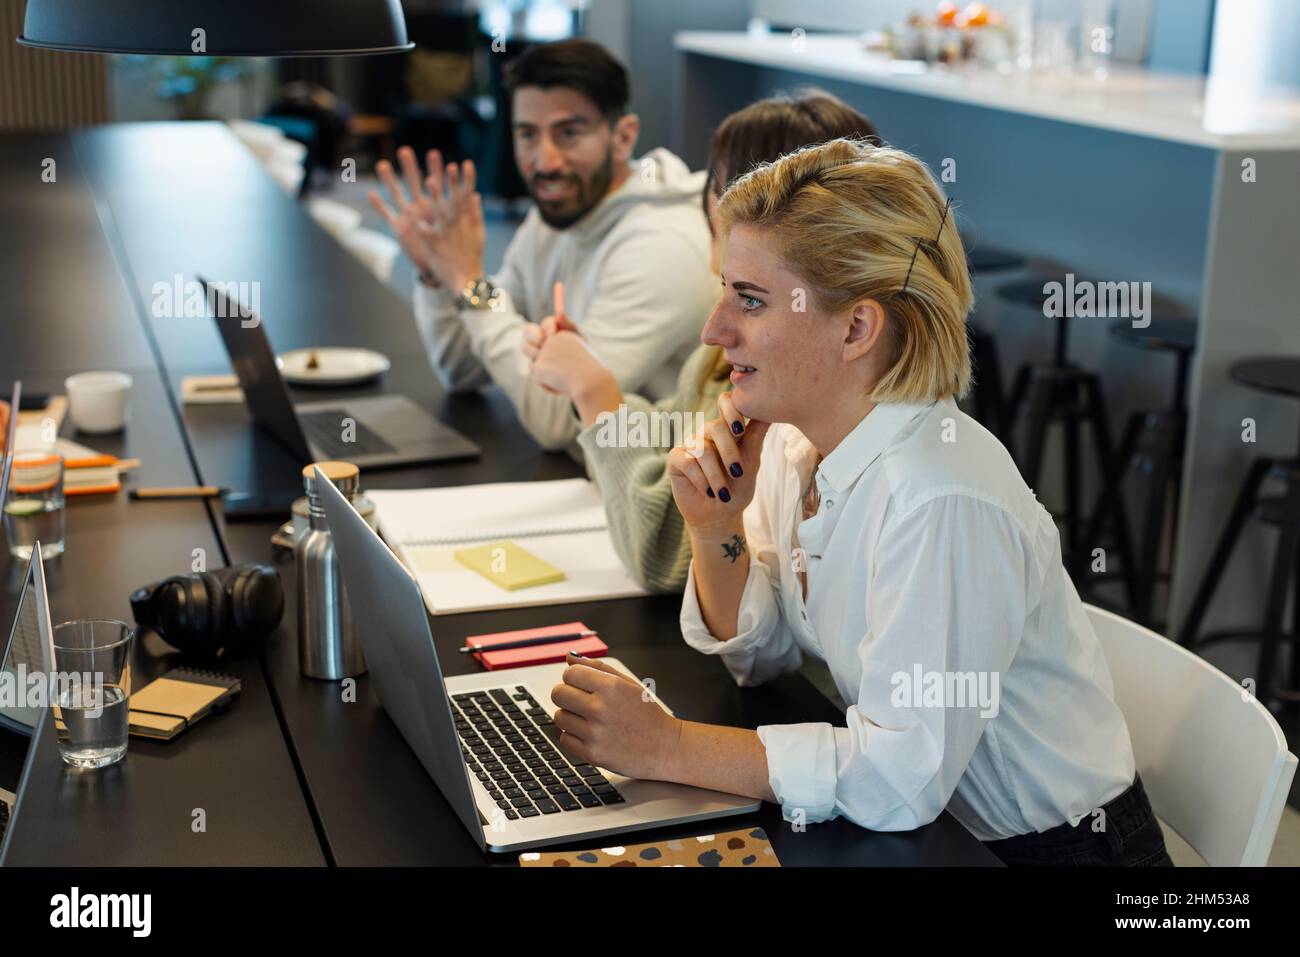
pixel 291 774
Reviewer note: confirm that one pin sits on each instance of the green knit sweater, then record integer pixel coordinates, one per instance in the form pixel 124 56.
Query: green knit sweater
pixel 647 529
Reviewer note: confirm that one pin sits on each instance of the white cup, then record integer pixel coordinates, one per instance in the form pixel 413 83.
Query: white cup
pixel 97 401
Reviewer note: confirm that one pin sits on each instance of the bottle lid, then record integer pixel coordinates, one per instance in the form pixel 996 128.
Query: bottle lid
pixel 345 476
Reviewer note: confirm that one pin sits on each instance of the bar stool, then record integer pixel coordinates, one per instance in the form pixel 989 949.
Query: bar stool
pixel 1062 392
pixel 988 397
pixel 1278 376
pixel 1153 443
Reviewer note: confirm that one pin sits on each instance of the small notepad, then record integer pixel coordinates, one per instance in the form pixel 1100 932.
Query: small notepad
pixel 508 565
pixel 168 705
pixel 591 646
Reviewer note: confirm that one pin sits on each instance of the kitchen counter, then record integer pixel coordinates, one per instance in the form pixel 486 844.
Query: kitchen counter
pixel 1175 107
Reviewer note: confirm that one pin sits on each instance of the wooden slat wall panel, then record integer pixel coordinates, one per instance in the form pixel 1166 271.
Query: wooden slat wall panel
pixel 40 90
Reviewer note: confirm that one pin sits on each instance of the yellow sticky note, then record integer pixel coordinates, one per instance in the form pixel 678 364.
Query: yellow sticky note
pixel 508 565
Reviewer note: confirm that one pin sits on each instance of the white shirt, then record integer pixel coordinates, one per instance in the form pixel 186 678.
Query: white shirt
pixel 931 567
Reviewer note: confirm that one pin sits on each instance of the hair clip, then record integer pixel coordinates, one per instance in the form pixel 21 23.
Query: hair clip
pixel 916 250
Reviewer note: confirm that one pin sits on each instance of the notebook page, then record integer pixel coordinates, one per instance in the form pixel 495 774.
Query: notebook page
pixel 469 514
pixel 588 559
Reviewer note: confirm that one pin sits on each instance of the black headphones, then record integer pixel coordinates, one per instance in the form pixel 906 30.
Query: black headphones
pixel 213 614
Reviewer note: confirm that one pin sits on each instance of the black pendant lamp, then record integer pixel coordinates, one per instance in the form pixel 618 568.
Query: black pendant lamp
pixel 253 28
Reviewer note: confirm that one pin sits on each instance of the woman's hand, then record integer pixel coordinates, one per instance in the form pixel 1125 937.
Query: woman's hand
pixel 609 720
pixel 566 365
pixel 563 363
pixel 535 336
pixel 714 472
pixel 536 333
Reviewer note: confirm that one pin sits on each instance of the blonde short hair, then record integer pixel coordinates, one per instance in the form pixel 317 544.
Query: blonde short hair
pixel 848 218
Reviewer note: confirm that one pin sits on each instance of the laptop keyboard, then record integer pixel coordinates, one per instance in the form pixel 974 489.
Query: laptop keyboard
pixel 4 818
pixel 325 431
pixel 510 744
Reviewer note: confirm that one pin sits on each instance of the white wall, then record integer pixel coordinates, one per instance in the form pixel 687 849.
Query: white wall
pixel 608 22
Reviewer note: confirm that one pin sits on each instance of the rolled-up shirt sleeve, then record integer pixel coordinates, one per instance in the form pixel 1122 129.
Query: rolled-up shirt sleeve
pixel 946 605
pixel 762 648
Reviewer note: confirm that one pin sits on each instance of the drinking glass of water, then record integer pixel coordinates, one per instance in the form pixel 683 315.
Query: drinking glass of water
pixel 92 665
pixel 34 509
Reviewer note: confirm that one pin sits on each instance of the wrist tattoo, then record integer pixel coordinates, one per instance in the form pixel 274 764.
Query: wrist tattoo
pixel 734 548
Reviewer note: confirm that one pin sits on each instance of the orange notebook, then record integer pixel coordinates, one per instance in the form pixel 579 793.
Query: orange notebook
pixel 591 646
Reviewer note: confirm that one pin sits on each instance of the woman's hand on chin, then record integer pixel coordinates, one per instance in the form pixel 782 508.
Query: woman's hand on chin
pixel 714 471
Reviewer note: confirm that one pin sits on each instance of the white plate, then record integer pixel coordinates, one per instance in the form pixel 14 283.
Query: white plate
pixel 332 366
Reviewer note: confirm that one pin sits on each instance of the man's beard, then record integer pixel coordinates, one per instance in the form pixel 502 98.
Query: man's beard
pixel 587 196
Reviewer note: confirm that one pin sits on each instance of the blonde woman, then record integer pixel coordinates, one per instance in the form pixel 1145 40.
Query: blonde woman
pixel 885 532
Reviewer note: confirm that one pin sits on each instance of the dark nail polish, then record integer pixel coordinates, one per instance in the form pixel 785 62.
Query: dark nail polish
pixel 737 427
pixel 724 495
pixel 710 491
pixel 575 654
pixel 735 470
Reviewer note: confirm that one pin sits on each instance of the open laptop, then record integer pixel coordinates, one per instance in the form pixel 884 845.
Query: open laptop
pixel 21 727
pixel 382 431
pixel 488 741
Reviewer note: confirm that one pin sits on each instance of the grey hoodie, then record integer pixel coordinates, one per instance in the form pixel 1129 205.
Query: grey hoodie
pixel 637 285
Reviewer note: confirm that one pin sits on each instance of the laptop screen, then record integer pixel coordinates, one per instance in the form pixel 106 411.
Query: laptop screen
pixel 253 360
pixel 22 657
pixel 20 724
pixel 23 648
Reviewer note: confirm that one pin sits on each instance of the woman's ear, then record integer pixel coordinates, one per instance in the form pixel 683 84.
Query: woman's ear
pixel 866 327
pixel 626 130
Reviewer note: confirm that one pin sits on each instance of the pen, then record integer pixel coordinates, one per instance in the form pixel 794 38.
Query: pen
pixel 527 642
pixel 178 491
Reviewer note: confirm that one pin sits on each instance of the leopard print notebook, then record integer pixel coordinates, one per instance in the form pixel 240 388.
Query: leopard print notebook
pixel 744 848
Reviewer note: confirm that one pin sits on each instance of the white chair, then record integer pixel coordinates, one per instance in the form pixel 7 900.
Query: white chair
pixel 280 156
pixel 288 174
pixel 261 139
pixel 337 219
pixel 1213 760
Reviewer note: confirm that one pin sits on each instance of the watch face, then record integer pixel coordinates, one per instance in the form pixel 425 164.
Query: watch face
pixel 479 294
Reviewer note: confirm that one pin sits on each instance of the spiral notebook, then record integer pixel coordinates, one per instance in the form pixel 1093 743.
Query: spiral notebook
pixel 561 522
pixel 168 705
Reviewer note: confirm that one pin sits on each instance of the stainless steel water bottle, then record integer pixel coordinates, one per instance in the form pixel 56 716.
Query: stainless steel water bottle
pixel 328 646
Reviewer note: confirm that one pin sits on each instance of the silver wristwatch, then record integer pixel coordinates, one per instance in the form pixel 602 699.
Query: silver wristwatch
pixel 479 294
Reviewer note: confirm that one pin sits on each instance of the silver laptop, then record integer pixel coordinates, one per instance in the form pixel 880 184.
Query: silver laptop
pixel 371 432
pixel 21 728
pixel 488 740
